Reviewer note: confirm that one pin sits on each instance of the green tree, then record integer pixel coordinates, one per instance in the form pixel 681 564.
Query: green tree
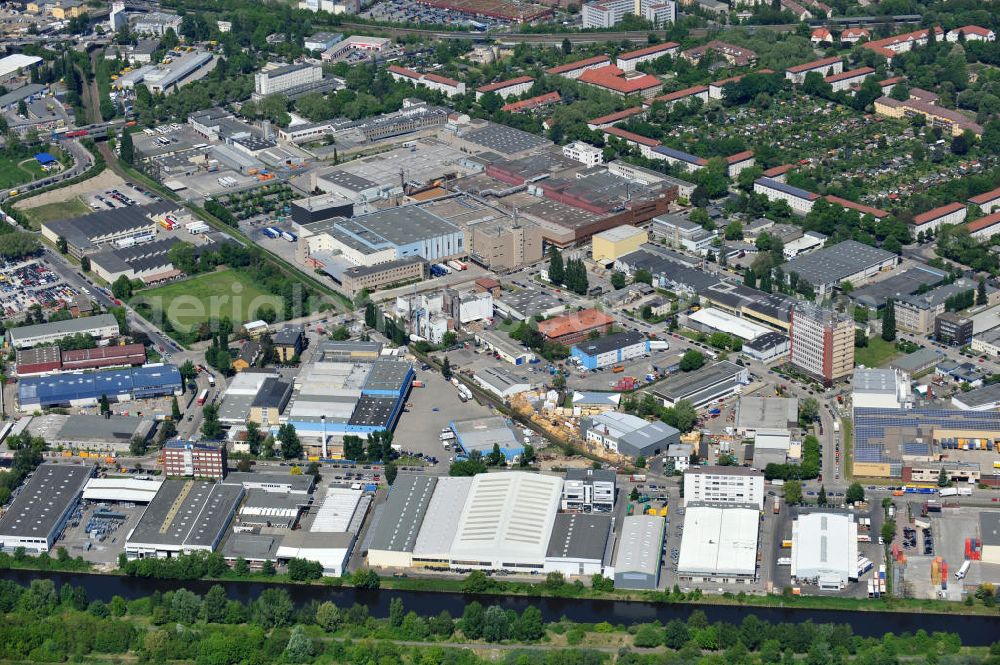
pixel 943 480
pixel 365 578
pixel 175 409
pixel 567 46
pixel 793 492
pixel 821 499
pixel 211 428
pixel 981 292
pixel 557 273
pixel 691 360
pixel 391 471
pixel 496 624
pixel 900 92
pixel 618 279
pixel 127 148
pixel 473 620
pixel 808 411
pixel 272 609
pixel 299 648
pixel 62 245
pixel 328 616
pixel 215 605
pixel 396 612
pixel 446 368
pixel 889 321
pixel 529 627
pixel 855 493
pixel 291 447
pixel 643 276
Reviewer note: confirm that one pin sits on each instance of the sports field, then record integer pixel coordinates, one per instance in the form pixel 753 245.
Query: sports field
pixel 216 295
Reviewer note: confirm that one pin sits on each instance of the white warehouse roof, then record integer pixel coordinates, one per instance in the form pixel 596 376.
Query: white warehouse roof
pixel 507 519
pixel 17 61
pixel 336 511
pixel 716 319
pixel 719 541
pixel 824 546
pixel 121 489
pixel 445 508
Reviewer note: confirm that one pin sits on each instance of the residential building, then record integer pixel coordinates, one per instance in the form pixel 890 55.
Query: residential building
pixel 618 82
pixel 610 350
pixel 799 200
pixel 971 33
pixel 686 95
pixel 510 88
pixel 197 460
pixel 987 342
pixel 628 61
pixel 609 13
pixel 988 202
pixel 280 78
pixel 739 161
pixel 854 35
pixel 849 79
pixel 822 342
pixel 824 66
pixel 613 119
pixel 612 244
pixel 589 490
pixel 953 213
pixel 532 103
pixel 889 47
pixel 984 228
pixel 573 70
pixel 736 56
pixel 629 435
pixel 953 121
pixel 724 485
pixel 156 23
pixel 569 329
pixel 450 87
pixel 584 153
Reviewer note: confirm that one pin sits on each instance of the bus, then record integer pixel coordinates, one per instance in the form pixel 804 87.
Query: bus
pixel 202 397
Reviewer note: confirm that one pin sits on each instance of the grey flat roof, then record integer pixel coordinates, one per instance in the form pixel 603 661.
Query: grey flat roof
pixel 403 514
pixel 361 271
pixel 373 411
pixel 682 385
pixel 529 302
pixel 505 140
pixel 104 222
pixel 896 285
pixel 446 506
pixel 332 350
pixel 298 483
pixel 399 226
pixel 251 546
pixel 919 360
pixel 766 412
pixel 187 513
pixel 611 342
pixel 640 545
pixel 23 92
pixel 836 263
pixel 62 328
pixel 387 375
pixel 988 394
pixel 579 536
pixel 481 433
pixel 989 528
pixel 874 380
pixel 273 394
pixel 500 378
pixel 44 500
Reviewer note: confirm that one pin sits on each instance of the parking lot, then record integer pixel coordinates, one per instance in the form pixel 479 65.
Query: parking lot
pixel 97 531
pixel 429 410
pixel 24 284
pixel 121 197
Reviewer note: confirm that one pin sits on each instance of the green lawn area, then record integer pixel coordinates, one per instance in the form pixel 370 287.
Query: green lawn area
pixel 11 174
pixel 58 210
pixel 216 295
pixel 877 353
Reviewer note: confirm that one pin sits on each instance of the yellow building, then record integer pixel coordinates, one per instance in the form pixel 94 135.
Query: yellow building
pixel 34 7
pixel 610 245
pixel 954 122
pixel 67 9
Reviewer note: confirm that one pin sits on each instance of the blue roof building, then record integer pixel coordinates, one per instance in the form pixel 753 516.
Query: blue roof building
pixel 610 349
pixel 45 159
pixel 87 388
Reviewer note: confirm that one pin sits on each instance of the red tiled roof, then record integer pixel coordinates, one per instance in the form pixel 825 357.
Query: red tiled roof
pixel 937 213
pixel 681 94
pixel 983 222
pixel 821 33
pixel 442 79
pixel 854 73
pixel 986 197
pixel 568 324
pixel 655 48
pixel 629 136
pixel 889 54
pixel 616 116
pixel 778 170
pixel 500 85
pixel 867 210
pixel 855 32
pixel 973 30
pixel 891 81
pixel 403 71
pixel 611 77
pixel 534 102
pixel 815 64
pixel 579 64
pixel 739 157
pixel 896 40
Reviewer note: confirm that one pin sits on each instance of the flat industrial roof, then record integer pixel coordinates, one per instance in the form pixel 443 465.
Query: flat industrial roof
pixel 640 545
pixel 295 483
pixel 63 328
pixel 44 500
pixel 989 528
pixel 686 384
pixel 612 342
pixel 481 433
pixel 837 262
pixel 508 516
pixel 719 541
pixel 186 513
pixel 579 536
pixel 716 319
pixel 403 514
pixel 336 511
pixel 125 489
pixel 824 544
pixel 445 508
pixel 505 140
pixel 754 412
